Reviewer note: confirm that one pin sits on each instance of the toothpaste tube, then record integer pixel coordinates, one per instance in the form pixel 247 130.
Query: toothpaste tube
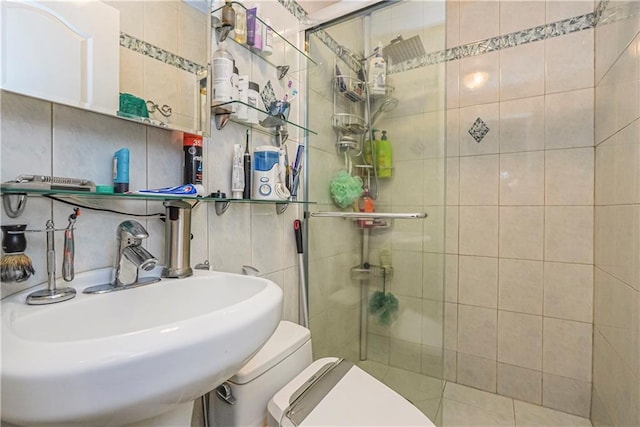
pixel 180 190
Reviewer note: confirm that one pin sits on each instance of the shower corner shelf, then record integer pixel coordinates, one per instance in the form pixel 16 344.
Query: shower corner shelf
pixel 360 273
pixel 349 123
pixel 351 88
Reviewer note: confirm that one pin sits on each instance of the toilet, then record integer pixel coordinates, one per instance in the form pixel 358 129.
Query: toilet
pixel 281 386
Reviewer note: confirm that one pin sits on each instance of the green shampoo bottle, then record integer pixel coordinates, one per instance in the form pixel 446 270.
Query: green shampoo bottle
pixel 384 156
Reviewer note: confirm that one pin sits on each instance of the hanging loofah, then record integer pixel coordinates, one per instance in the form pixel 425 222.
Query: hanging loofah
pixel 345 189
pixel 385 306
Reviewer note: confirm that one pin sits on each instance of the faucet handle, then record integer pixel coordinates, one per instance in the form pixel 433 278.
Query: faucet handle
pixel 131 229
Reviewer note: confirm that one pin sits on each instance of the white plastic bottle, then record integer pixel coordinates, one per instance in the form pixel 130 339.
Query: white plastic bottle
pixel 267 39
pixel 377 73
pixel 222 76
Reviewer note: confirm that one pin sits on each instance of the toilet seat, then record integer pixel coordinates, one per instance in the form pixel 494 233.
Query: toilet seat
pixel 356 399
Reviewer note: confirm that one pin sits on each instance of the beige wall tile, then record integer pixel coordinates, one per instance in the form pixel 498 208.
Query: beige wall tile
pixel 432 330
pixel 522 125
pixel 521 232
pixel 522 178
pixel 479 230
pixel 569 119
pixel 569 62
pixel 405 355
pixel 453 181
pixel 521 79
pixel 477 329
pixel 512 348
pixel 568 291
pixel 451 278
pixel 569 234
pixel 566 394
pixel 479 79
pixel 520 383
pixel 450 326
pixel 518 15
pixel 567 348
pixel 478 20
pixel 569 176
pixel 520 286
pixel 478 281
pixel 561 9
pixel 479 180
pixel 477 372
pixel 528 414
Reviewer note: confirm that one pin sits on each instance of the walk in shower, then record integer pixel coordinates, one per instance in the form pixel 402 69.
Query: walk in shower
pixel 376 281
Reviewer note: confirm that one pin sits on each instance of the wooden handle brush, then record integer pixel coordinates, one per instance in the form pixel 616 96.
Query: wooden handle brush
pixel 15 266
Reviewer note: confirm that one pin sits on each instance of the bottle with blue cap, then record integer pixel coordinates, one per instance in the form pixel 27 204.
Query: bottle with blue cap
pixel 121 171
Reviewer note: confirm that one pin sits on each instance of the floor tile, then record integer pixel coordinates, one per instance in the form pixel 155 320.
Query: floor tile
pixel 528 415
pixel 458 414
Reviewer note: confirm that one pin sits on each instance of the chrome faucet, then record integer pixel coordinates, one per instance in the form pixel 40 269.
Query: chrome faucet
pixel 131 259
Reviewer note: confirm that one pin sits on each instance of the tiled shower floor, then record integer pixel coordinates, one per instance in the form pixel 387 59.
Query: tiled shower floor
pixel 466 406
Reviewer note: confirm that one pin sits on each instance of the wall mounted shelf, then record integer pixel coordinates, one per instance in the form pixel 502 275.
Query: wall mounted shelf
pixel 223 114
pixel 221 204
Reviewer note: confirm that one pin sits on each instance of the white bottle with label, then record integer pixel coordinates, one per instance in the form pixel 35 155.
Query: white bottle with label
pixel 267 40
pixel 377 73
pixel 242 113
pixel 222 76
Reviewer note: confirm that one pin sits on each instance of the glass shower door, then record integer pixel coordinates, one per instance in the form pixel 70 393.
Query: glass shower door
pixel 376 280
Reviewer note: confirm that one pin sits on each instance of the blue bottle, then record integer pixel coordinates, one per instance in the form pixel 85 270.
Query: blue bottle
pixel 121 171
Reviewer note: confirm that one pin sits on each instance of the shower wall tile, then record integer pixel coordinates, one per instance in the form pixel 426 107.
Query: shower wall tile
pixel 479 230
pixel 562 9
pixel 568 291
pixel 517 15
pixel 569 176
pixel 566 394
pixel 490 114
pixel 378 348
pixel 407 274
pixel 407 185
pixel 451 326
pixel 518 78
pixel 522 178
pixel 478 20
pixel 405 355
pixel 408 326
pixel 521 232
pixel 477 372
pixel 569 62
pixel 478 281
pixel 452 181
pixel 569 119
pixel 479 79
pixel 512 349
pixel 434 181
pixel 451 278
pixel 450 365
pixel 433 240
pixel 520 286
pixel 452 32
pixel 479 180
pixel 520 383
pixel 567 347
pixel 452 132
pixel 569 234
pixel 477 331
pixel 451 229
pixel 522 125
pixel 432 361
pixel 433 281
pixel 432 331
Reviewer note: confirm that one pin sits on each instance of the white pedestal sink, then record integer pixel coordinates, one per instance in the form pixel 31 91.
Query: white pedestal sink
pixel 126 356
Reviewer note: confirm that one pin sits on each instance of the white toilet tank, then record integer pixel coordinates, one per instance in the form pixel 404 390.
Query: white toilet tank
pixel 283 357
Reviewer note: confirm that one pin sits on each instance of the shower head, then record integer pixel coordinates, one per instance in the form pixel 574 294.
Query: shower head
pixel 400 50
pixel 388 104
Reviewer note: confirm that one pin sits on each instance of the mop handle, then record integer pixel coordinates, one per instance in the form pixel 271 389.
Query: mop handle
pixel 303 316
pixel 297 229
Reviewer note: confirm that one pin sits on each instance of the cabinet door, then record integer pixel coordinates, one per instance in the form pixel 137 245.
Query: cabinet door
pixel 65 52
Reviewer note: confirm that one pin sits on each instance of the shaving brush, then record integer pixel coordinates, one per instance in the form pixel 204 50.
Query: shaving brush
pixel 15 266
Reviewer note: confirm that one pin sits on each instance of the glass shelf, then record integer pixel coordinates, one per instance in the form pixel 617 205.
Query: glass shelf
pixel 281 49
pixel 222 113
pixel 221 203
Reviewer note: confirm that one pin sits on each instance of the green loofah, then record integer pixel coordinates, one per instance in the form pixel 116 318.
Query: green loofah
pixel 385 306
pixel 132 106
pixel 345 189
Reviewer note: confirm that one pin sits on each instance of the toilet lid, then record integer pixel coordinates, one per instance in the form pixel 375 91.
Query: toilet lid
pixel 357 399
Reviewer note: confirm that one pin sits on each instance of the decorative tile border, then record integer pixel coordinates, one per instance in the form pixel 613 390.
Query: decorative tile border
pixel 518 38
pixel 147 49
pixel 603 13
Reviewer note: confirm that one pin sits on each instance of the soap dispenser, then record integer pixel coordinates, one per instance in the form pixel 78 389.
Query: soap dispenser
pixel 384 157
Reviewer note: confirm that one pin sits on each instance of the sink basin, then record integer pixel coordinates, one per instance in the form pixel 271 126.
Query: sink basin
pixel 127 356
